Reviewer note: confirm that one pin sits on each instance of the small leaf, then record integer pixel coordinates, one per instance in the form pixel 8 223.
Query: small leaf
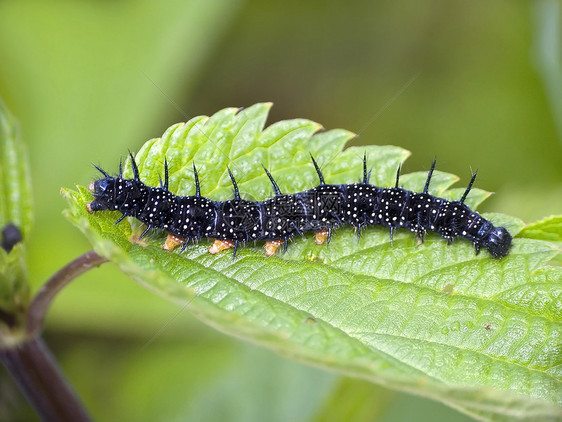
pixel 479 334
pixel 15 219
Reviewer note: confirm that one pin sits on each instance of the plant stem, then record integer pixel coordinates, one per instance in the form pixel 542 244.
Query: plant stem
pixel 32 366
pixel 40 303
pixel 29 361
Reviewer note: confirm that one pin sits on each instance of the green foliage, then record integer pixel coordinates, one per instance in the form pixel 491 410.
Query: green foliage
pixel 479 334
pixel 549 229
pixel 15 181
pixel 15 209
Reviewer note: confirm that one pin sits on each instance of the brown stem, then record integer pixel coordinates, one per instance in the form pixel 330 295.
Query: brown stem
pixel 40 303
pixel 30 362
pixel 38 376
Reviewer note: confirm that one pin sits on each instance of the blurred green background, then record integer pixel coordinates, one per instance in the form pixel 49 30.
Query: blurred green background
pixel 89 80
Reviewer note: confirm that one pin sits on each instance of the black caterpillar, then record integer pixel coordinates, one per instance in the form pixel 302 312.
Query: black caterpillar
pixel 280 218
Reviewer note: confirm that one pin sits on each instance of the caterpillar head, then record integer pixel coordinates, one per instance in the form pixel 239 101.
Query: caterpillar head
pixel 104 193
pixel 498 242
pixel 116 193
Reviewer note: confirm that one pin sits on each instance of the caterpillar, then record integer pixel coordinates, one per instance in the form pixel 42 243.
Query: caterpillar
pixel 280 218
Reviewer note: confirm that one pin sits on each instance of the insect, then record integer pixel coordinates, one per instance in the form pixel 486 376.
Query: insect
pixel 278 219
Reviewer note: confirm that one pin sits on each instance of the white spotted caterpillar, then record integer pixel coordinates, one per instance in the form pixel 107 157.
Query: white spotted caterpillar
pixel 278 219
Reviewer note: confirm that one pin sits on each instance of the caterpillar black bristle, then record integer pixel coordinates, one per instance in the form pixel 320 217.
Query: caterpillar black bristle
pixel 102 171
pixel 197 184
pixel 398 175
pixel 276 189
pixel 235 185
pixel 366 174
pixel 429 174
pixel 318 171
pixel 134 166
pixel 465 194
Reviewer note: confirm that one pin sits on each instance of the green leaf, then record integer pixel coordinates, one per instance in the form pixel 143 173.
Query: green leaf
pixel 549 229
pixel 15 220
pixel 15 179
pixel 479 334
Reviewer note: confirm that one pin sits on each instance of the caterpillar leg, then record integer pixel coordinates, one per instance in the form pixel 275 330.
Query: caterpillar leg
pixel 271 247
pixel 171 242
pixel 220 245
pixel 420 237
pixel 476 247
pixel 321 236
pixel 418 229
